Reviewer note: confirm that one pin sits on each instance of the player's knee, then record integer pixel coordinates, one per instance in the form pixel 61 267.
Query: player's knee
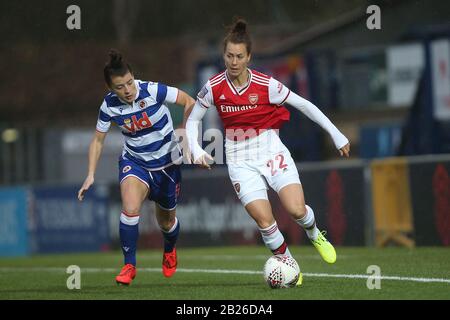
pixel 264 223
pixel 297 210
pixel 131 210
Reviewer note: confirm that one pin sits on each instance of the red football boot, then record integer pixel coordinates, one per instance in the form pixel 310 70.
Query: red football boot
pixel 169 264
pixel 126 275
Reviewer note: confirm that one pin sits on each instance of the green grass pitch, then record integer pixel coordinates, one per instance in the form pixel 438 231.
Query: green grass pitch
pixel 232 273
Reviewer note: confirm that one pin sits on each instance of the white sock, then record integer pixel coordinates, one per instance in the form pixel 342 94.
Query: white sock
pixel 129 220
pixel 308 222
pixel 274 240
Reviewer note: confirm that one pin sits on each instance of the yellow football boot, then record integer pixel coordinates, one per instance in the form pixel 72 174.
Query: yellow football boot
pixel 325 248
pixel 300 280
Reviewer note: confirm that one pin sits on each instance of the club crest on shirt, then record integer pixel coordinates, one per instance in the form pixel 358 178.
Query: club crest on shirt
pixel 253 98
pixel 126 169
pixel 237 187
pixel 142 104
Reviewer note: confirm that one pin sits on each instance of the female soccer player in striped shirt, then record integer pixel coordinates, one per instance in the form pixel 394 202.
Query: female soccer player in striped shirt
pixel 149 164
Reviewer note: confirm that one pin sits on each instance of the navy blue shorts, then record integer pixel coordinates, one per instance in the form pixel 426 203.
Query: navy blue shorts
pixel 164 185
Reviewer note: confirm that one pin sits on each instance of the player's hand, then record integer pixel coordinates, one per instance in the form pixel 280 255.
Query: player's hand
pixel 345 150
pixel 86 185
pixel 204 161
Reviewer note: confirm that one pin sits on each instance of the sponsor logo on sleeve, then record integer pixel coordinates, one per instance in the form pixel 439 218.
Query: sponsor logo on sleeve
pixel 202 93
pixel 279 87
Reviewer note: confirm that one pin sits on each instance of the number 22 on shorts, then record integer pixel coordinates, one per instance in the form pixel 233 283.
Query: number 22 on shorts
pixel 276 164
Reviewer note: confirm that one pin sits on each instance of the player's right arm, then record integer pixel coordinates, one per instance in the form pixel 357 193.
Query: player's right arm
pixel 95 150
pixel 96 147
pixel 279 94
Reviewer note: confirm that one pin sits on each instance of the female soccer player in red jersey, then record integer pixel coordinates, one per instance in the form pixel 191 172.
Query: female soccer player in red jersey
pixel 149 167
pixel 250 106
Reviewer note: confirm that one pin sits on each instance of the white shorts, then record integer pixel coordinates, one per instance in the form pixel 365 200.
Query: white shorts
pixel 252 177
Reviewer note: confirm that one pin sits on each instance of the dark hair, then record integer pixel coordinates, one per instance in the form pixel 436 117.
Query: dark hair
pixel 237 33
pixel 116 66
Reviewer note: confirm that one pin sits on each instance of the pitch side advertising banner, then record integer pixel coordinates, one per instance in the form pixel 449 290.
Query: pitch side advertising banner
pixel 440 61
pixel 13 226
pixel 61 223
pixel 405 64
pixel 430 194
pixel 337 196
pixel 210 212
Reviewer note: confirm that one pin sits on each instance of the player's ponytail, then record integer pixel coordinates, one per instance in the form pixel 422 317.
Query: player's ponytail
pixel 238 33
pixel 239 27
pixel 116 66
pixel 115 58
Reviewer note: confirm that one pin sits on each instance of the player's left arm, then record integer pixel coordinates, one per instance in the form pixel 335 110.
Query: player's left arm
pixel 181 98
pixel 279 94
pixel 186 101
pixel 311 111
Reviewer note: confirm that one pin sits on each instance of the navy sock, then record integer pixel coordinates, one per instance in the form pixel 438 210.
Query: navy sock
pixel 128 238
pixel 170 238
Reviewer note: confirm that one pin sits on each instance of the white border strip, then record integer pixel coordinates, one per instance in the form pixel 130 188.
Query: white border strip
pixel 224 271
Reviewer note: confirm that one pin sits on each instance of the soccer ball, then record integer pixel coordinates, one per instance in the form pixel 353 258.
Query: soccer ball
pixel 281 271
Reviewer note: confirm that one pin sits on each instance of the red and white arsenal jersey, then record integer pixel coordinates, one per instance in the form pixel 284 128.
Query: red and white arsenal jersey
pixel 256 106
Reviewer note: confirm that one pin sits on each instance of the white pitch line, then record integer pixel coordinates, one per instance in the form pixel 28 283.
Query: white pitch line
pixel 225 271
pixel 237 257
pixel 365 276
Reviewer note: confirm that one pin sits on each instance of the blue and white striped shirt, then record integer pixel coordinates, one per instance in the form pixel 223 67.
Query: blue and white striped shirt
pixel 147 127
